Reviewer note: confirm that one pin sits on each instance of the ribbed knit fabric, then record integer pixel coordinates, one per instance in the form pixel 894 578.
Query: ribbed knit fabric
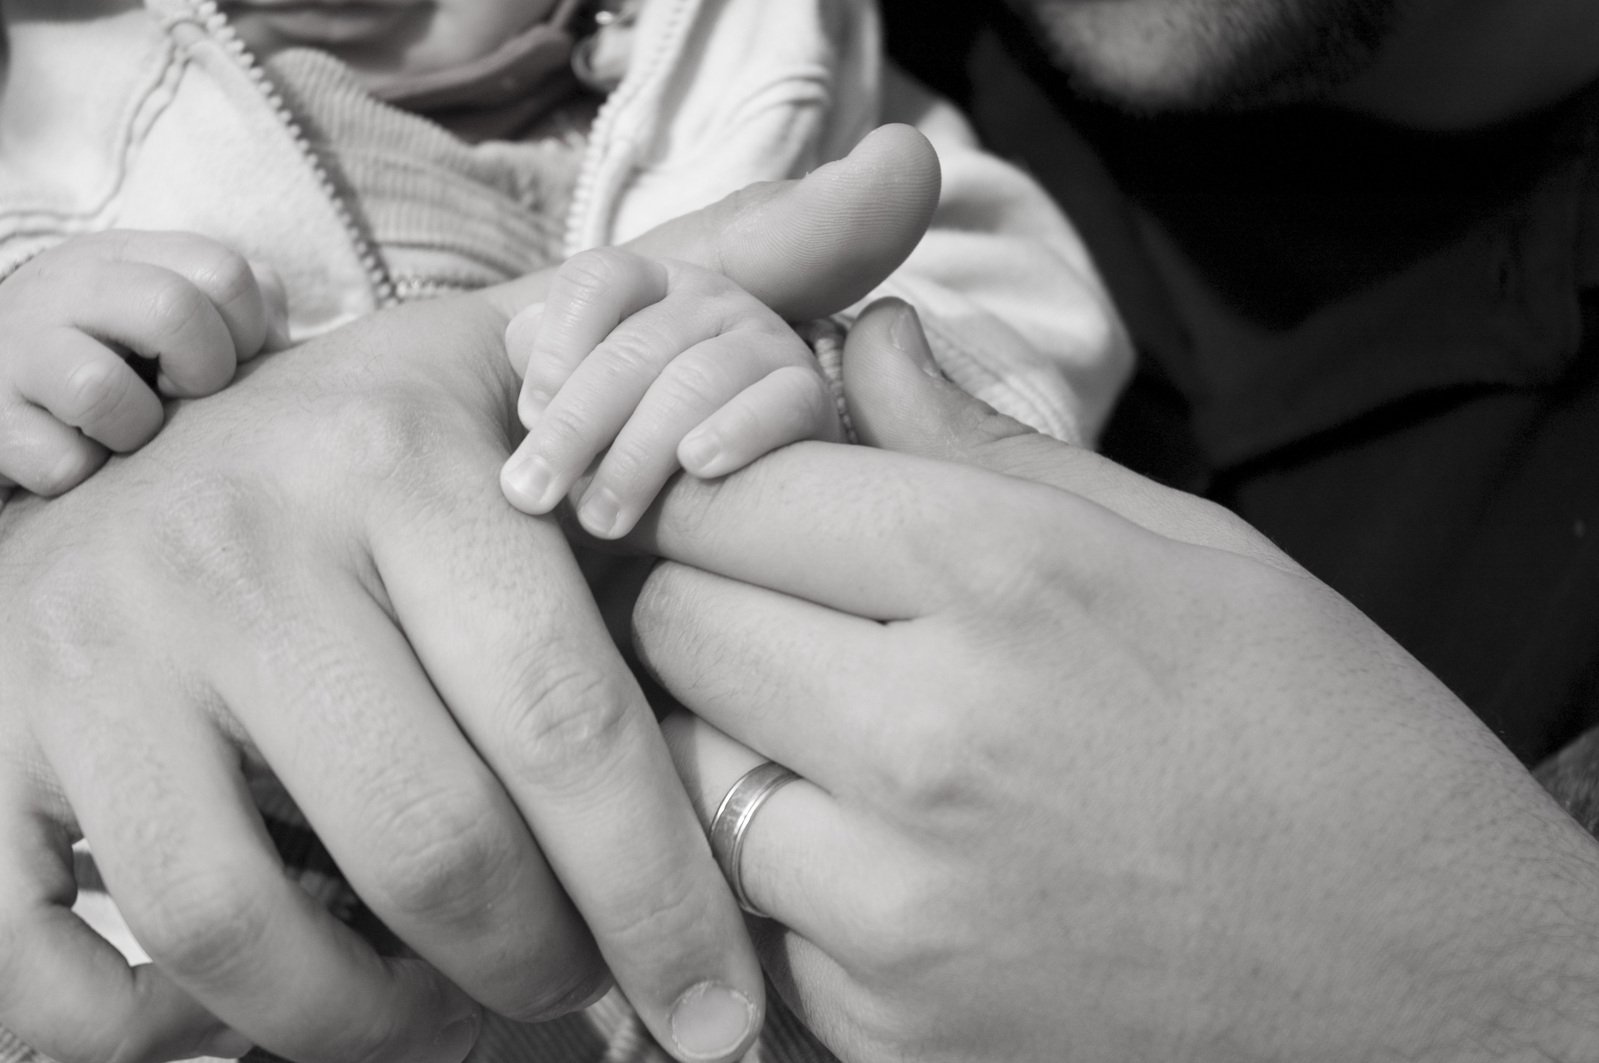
pixel 444 215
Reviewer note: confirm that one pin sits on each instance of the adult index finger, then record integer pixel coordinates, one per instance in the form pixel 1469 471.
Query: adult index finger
pixel 806 248
pixel 505 626
pixel 881 535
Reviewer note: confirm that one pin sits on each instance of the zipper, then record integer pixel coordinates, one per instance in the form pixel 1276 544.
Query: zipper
pixel 219 29
pixel 641 71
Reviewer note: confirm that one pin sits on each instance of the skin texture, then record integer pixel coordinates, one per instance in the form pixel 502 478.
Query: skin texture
pixel 659 366
pixel 1090 771
pixel 385 39
pixel 314 573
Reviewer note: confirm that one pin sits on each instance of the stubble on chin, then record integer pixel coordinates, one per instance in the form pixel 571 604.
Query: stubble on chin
pixel 1157 56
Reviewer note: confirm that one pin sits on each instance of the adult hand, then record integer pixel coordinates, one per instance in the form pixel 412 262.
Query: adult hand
pixel 315 574
pixel 1089 769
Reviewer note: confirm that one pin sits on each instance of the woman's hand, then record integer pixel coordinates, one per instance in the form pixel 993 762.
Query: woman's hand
pixel 1089 769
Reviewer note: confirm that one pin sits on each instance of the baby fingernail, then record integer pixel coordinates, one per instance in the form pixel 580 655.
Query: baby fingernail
pixel 907 335
pixel 528 479
pixel 711 1021
pixel 698 450
pixel 598 512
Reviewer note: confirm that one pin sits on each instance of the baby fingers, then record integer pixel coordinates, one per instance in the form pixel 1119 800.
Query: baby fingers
pixel 783 407
pixel 157 314
pixel 695 387
pixel 87 386
pixel 40 454
pixel 567 431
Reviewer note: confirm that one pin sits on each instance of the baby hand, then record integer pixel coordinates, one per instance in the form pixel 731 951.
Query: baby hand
pixel 72 319
pixel 669 365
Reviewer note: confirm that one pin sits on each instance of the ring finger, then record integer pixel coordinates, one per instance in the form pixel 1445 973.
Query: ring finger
pixel 805 861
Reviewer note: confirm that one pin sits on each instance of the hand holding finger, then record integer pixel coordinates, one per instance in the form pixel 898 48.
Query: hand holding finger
pixel 899 400
pixel 785 406
pixel 807 248
pixel 650 379
pixel 1098 746
pixel 590 295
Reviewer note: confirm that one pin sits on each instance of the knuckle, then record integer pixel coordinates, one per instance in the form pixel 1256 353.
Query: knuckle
pixel 71 619
pixel 624 468
pixel 570 720
pixel 634 352
pixel 207 534
pixel 662 907
pixel 936 770
pixel 444 852
pixel 694 380
pixel 393 429
pixel 203 922
pixel 222 273
pixel 564 431
pixel 588 273
pixel 172 303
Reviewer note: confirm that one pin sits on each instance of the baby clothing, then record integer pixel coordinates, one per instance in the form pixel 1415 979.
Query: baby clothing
pixel 291 163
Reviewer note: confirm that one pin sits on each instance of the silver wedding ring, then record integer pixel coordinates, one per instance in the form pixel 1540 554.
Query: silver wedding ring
pixel 732 821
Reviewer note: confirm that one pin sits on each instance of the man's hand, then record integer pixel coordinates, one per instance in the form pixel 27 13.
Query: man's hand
pixel 314 573
pixel 1089 769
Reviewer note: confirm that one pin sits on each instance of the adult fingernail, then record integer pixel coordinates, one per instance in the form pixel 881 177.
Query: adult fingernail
pixel 907 335
pixel 598 512
pixel 699 450
pixel 712 1021
pixel 528 479
pixel 455 1041
pixel 226 1044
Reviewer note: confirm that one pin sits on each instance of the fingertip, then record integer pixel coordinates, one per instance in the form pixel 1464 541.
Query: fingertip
pixel 528 482
pixel 603 516
pixel 893 384
pixel 73 467
pixel 701 454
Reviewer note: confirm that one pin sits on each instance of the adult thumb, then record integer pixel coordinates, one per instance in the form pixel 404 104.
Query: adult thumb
pixel 814 246
pixel 898 400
